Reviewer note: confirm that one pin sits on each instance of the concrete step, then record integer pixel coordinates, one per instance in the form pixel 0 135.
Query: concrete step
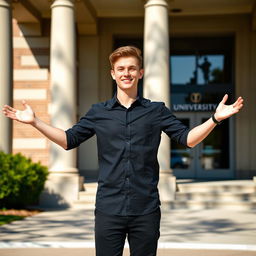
pixel 235 194
pixel 83 205
pixel 232 194
pixel 91 187
pixel 215 196
pixel 90 190
pixel 245 186
pixel 86 196
pixel 199 205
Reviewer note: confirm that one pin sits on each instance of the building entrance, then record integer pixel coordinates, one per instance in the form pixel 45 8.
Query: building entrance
pixel 201 74
pixel 211 159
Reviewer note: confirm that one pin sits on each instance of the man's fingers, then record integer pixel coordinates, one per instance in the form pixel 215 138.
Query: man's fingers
pixel 24 103
pixel 238 102
pixel 26 106
pixel 9 109
pixel 10 114
pixel 239 106
pixel 224 99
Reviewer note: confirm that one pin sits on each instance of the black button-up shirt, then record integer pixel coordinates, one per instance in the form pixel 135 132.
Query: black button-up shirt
pixel 127 141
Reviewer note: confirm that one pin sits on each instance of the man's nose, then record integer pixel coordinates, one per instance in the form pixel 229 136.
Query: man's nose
pixel 126 72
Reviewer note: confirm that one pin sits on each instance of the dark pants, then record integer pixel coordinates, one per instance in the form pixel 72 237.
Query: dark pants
pixel 142 234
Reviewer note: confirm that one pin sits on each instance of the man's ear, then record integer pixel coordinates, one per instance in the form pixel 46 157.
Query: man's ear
pixel 113 74
pixel 141 73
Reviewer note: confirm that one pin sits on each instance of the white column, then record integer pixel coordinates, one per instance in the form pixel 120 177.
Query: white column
pixel 63 182
pixel 156 81
pixel 5 73
pixel 63 79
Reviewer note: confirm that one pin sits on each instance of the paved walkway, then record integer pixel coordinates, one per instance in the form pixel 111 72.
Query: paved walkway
pixel 90 252
pixel 183 232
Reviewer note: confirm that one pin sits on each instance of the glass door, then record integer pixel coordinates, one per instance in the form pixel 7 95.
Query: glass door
pixel 211 159
pixel 214 153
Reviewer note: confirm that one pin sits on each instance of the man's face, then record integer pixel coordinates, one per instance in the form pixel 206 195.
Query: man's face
pixel 127 73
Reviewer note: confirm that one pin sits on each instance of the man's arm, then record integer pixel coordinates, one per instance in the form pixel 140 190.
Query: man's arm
pixel 200 132
pixel 27 116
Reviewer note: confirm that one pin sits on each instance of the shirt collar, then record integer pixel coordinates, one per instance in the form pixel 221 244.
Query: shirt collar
pixel 139 100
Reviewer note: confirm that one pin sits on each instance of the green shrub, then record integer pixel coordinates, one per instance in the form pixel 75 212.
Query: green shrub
pixel 21 181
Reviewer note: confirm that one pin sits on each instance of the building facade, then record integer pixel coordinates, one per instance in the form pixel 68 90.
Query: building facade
pixel 54 54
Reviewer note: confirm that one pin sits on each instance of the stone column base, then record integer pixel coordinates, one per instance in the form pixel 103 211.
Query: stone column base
pixel 167 187
pixel 61 190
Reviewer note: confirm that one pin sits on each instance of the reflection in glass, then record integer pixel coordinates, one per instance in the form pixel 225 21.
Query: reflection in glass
pixel 180 155
pixel 197 69
pixel 205 69
pixel 215 148
pixel 182 66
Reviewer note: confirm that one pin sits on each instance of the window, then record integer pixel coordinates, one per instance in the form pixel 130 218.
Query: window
pixel 201 67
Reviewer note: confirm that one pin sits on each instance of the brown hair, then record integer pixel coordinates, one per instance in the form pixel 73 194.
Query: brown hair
pixel 125 51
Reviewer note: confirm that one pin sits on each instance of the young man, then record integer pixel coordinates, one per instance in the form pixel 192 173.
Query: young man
pixel 128 130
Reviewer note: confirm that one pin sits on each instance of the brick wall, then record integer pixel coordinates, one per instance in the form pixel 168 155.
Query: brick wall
pixel 31 83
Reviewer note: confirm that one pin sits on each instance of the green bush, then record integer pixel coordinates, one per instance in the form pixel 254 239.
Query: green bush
pixel 21 181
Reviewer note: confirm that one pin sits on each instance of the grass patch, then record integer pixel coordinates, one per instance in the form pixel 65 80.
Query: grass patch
pixel 5 219
pixel 9 215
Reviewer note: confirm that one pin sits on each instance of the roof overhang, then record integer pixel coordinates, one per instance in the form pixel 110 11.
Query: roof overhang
pixel 89 11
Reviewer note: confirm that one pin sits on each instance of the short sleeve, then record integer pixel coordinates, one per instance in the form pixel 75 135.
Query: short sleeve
pixel 173 127
pixel 81 131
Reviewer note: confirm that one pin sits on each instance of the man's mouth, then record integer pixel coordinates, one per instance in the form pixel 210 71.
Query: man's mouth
pixel 128 80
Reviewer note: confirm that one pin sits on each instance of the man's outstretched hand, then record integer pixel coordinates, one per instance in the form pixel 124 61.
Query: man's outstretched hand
pixel 224 111
pixel 26 116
